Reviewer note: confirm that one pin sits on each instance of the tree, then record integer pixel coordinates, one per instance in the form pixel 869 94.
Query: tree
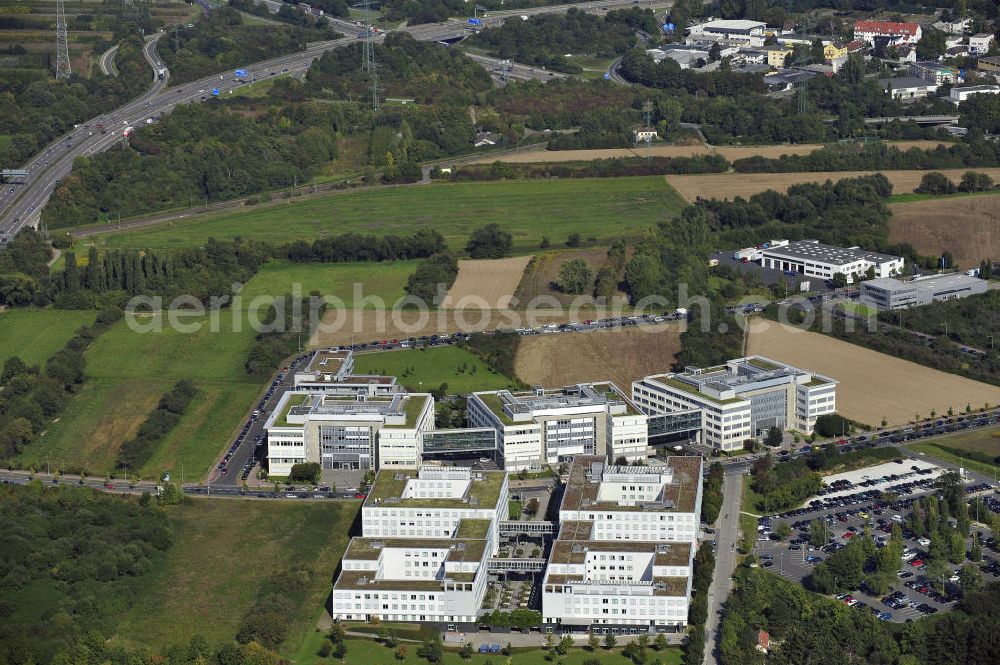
pixel 574 276
pixel 973 181
pixel 832 424
pixel 401 652
pixel 431 650
pixel 307 472
pixel 782 530
pixel 819 533
pixel 660 643
pixel 489 242
pixel 935 183
pixel 593 641
pixel 610 641
pixel 970 579
pixel 573 240
pixel 839 280
pixel 774 437
pixel 466 651
pixel 565 644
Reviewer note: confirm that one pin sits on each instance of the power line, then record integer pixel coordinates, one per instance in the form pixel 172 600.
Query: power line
pixel 368 60
pixel 63 70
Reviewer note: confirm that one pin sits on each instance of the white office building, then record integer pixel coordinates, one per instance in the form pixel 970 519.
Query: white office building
pixel 740 400
pixel 341 432
pixel 889 294
pixel 623 559
pixel 331 371
pixel 427 538
pixel 551 426
pixel 814 259
pixel 959 94
pixel 750 33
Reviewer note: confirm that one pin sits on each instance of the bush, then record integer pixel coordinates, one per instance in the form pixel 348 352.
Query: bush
pixel 574 276
pixel 489 242
pixel 935 183
pixel 307 472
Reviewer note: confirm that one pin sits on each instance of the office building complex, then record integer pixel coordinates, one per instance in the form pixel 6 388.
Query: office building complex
pixel 888 294
pixel 342 432
pixel 624 555
pixel 551 426
pixel 427 539
pixel 332 372
pixel 740 400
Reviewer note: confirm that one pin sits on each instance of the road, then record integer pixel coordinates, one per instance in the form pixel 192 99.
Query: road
pixel 48 168
pixel 22 206
pixel 727 534
pixel 507 70
pixel 107 61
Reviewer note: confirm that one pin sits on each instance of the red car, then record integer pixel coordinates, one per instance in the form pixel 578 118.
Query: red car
pixel 109 486
pixel 360 496
pixel 848 535
pixel 916 563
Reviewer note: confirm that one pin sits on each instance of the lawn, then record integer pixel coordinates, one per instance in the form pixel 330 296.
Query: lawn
pixel 384 280
pixel 957 449
pixel 365 652
pixel 127 373
pixel 34 335
pixel 423 370
pixel 602 208
pixel 223 550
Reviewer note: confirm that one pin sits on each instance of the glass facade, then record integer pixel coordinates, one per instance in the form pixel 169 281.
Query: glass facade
pixel 345 447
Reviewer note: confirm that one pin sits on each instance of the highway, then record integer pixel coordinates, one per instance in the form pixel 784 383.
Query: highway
pixel 107 61
pixel 515 70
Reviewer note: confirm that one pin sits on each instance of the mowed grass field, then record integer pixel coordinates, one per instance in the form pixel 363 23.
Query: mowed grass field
pixel 873 385
pixel 127 373
pixel 423 370
pixel 600 207
pixel 338 280
pixel 966 226
pixel 223 550
pixel 954 448
pixel 731 185
pixel 35 334
pixel 622 355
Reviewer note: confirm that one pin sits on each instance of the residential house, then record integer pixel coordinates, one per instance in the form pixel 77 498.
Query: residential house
pixel 887 33
pixel 777 54
pixel 980 44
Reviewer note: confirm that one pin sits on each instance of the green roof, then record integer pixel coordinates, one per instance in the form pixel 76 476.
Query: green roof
pixel 390 485
pixel 495 404
pixel 763 364
pixel 412 406
pixel 816 381
pixel 293 401
pixel 472 529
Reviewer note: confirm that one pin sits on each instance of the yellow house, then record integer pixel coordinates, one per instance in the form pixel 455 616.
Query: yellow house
pixel 776 55
pixel 833 50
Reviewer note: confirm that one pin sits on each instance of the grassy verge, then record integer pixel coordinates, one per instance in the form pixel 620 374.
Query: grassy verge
pixel 35 334
pixel 601 208
pixel 382 280
pixel 423 370
pixel 363 652
pixel 908 197
pixel 222 551
pixel 950 449
pixel 750 498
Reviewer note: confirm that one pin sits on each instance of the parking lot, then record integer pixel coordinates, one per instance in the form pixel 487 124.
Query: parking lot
pixel 850 506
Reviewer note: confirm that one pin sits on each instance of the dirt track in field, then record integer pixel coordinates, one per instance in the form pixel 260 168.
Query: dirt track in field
pixel 730 185
pixel 968 227
pixel 872 385
pixel 623 356
pixel 486 284
pixel 729 152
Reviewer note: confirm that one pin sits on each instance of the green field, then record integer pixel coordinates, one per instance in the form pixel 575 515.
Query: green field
pixel 385 280
pixel 365 652
pixel 600 207
pixel 35 334
pixel 223 550
pixel 423 370
pixel 955 448
pixel 127 373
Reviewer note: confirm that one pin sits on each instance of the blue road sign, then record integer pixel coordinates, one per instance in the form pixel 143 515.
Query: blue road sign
pixel 607 76
pixel 475 21
pixel 241 72
pixel 669 27
pixel 215 91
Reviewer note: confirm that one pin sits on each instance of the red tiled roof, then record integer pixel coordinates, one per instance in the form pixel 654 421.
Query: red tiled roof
pixel 856 45
pixel 886 27
pixel 763 639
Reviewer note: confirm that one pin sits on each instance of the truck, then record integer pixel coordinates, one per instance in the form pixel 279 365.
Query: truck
pixel 127 132
pixel 161 73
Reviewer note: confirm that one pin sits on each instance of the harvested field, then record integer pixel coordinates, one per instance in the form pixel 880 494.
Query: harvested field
pixel 729 152
pixel 730 185
pixel 490 283
pixel 968 227
pixel 622 356
pixel 542 273
pixel 873 385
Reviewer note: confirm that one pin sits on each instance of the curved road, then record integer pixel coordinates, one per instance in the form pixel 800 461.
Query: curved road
pixel 21 206
pixel 107 61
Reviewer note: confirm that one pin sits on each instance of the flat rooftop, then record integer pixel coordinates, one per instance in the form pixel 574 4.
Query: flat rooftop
pixel 930 284
pixel 575 542
pixel 811 250
pixel 678 496
pixel 399 410
pixel 365 579
pixel 459 549
pixel 662 586
pixel 387 492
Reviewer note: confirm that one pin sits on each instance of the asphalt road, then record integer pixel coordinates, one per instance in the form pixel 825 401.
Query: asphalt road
pixel 107 61
pixel 514 70
pixel 727 534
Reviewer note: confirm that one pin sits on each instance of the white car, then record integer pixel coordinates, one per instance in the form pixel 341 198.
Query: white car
pixel 923 542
